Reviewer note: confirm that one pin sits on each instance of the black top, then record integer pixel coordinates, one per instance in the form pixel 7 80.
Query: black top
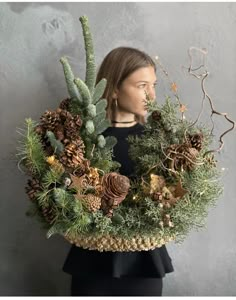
pixel 90 263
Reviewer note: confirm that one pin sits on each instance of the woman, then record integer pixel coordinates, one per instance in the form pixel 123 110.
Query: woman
pixel 130 75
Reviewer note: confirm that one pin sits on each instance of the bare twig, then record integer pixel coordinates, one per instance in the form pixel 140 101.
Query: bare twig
pixel 213 111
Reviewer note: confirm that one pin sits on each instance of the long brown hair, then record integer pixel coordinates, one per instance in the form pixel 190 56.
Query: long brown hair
pixel 118 64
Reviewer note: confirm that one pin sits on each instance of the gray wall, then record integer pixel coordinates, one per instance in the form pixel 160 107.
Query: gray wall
pixel 33 37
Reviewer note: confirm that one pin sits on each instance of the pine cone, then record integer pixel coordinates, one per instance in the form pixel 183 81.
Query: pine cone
pixel 115 188
pixel 71 129
pixel 72 156
pixel 196 141
pixel 64 115
pixel 78 121
pixel 47 212
pixel 65 104
pixel 59 132
pixel 182 157
pixel 156 115
pixel 33 188
pixel 91 202
pixel 50 120
pixel 40 130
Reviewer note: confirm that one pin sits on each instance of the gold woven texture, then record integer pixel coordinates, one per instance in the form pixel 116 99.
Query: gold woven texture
pixel 111 243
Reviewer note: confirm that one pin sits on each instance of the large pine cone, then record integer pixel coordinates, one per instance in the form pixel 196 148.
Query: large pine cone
pixel 115 189
pixel 72 156
pixel 32 188
pixel 50 120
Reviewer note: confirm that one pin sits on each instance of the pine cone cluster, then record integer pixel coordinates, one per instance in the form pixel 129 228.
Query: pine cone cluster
pixel 66 129
pixel 61 123
pixel 115 189
pixel 32 188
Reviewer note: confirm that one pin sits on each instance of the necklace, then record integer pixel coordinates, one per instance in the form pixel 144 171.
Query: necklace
pixel 124 122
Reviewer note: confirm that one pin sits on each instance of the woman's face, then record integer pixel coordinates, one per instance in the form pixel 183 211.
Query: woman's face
pixel 131 95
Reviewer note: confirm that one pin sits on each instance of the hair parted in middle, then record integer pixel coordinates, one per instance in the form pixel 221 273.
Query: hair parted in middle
pixel 118 64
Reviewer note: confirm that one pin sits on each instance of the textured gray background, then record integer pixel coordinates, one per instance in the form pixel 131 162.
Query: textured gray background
pixel 33 37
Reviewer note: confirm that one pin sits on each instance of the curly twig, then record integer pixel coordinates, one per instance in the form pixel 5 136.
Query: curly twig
pixel 213 111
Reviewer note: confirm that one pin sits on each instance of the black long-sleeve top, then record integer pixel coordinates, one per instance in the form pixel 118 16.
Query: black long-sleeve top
pixel 90 263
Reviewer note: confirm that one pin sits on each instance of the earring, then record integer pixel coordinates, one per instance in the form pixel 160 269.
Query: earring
pixel 116 103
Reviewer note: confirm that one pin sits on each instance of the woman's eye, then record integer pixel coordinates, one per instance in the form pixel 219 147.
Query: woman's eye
pixel 142 85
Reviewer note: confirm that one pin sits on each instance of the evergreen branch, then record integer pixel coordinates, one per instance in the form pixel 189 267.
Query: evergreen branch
pixel 99 90
pixel 90 77
pixel 111 141
pixel 84 91
pixel 102 126
pixel 71 87
pixel 31 152
pixel 101 106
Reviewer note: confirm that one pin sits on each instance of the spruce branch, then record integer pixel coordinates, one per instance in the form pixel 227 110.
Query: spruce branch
pixel 31 152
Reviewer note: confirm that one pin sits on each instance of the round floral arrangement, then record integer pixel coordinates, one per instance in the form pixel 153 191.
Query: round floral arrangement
pixel 75 186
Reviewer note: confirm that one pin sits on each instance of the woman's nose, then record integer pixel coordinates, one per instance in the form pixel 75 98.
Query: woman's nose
pixel 151 92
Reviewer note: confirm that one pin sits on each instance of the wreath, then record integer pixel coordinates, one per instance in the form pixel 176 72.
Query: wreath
pixel 75 187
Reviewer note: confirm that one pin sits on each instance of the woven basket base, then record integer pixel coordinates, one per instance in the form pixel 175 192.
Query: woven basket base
pixel 111 243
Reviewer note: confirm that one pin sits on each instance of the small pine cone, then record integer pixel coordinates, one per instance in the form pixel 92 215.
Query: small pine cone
pixel 196 141
pixel 33 188
pixel 210 159
pixel 91 202
pixel 65 104
pixel 48 214
pixel 157 196
pixel 50 120
pixel 156 115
